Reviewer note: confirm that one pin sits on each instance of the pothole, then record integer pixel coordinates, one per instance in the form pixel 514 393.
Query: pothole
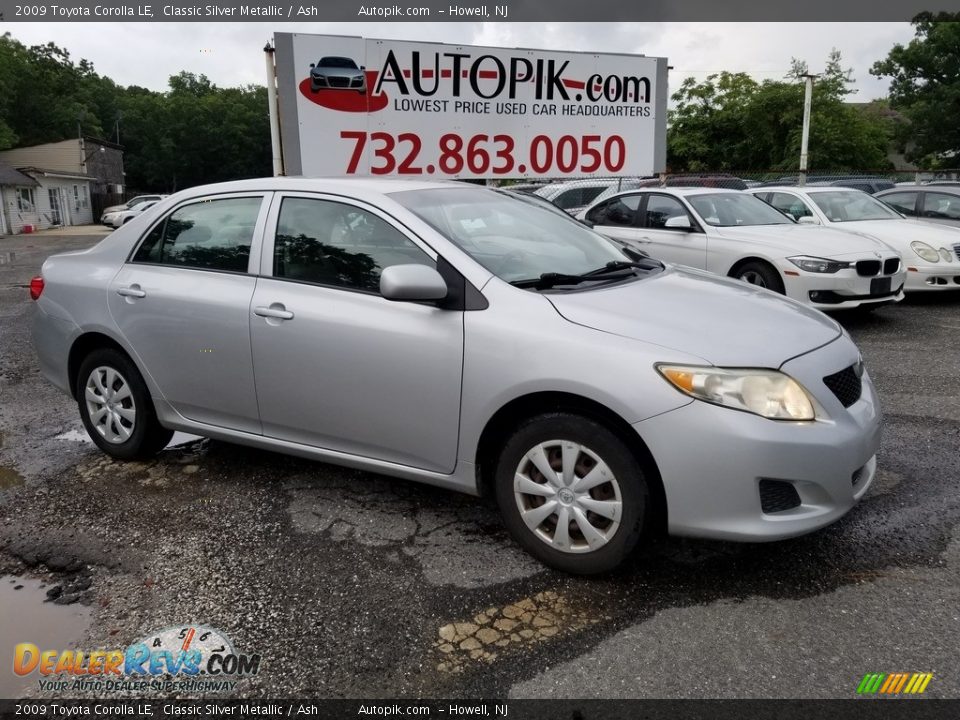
pixel 29 617
pixel 499 630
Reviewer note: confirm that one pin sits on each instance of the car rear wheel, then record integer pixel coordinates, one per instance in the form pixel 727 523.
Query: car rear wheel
pixel 571 493
pixel 761 275
pixel 116 408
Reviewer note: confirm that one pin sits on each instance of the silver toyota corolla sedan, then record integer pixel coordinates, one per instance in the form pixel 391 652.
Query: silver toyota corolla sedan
pixel 459 337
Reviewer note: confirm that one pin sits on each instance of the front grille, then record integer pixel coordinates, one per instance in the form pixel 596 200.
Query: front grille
pixel 845 385
pixel 868 268
pixel 777 496
pixel 956 249
pixel 891 265
pixel 339 82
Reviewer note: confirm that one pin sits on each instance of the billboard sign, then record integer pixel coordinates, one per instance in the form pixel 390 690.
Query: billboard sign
pixel 356 106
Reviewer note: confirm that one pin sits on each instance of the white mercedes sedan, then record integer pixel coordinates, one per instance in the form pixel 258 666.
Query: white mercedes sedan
pixel 930 252
pixel 732 233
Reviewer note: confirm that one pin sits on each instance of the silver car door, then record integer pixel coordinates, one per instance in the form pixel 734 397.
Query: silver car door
pixel 678 245
pixel 182 302
pixel 338 366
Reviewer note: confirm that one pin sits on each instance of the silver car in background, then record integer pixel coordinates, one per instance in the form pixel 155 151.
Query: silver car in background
pixel 459 337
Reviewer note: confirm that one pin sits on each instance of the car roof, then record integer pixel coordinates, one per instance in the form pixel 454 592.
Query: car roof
pixel 587 182
pixel 806 188
pixel 945 189
pixel 686 190
pixel 334 185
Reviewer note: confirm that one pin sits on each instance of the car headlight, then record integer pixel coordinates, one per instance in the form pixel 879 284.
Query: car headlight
pixel 768 393
pixel 946 255
pixel 818 265
pixel 925 251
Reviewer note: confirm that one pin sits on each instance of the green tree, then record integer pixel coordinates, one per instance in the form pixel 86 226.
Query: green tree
pixel 192 134
pixel 925 89
pixel 730 122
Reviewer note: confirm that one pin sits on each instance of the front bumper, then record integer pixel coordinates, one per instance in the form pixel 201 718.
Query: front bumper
pixel 842 290
pixel 932 277
pixel 712 459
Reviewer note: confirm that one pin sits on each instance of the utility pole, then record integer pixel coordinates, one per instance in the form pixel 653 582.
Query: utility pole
pixel 276 150
pixel 805 136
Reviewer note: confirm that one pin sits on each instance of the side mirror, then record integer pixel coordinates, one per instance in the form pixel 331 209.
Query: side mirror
pixel 362 67
pixel 412 283
pixel 808 220
pixel 678 222
pixel 312 65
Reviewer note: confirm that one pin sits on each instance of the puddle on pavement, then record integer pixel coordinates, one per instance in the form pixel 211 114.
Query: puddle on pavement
pixel 74 436
pixel 9 478
pixel 81 436
pixel 482 638
pixel 27 618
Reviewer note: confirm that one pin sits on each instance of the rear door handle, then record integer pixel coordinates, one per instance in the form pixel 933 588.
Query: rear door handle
pixel 276 310
pixel 132 291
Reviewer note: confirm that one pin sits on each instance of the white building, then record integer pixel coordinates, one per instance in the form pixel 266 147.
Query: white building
pixel 59 191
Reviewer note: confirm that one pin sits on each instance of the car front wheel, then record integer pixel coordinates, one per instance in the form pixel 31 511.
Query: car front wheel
pixel 116 408
pixel 762 275
pixel 571 493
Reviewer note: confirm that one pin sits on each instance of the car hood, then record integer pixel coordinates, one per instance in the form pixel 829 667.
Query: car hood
pixel 806 239
pixel 901 232
pixel 725 322
pixel 114 209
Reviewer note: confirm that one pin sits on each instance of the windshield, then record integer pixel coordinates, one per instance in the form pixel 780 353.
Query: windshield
pixel 736 210
pixel 337 62
pixel 513 239
pixel 841 206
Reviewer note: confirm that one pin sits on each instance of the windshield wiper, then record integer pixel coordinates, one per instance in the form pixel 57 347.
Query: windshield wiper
pixel 614 270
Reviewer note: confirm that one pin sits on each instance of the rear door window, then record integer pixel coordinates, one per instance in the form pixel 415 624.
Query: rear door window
pixel 941 206
pixel 206 235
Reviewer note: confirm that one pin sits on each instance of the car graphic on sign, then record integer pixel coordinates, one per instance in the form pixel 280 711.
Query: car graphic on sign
pixel 337 73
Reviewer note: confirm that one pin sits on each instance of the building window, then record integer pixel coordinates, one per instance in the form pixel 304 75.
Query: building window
pixel 25 199
pixel 84 197
pixel 76 198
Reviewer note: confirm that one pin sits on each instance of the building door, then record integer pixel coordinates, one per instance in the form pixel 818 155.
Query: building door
pixel 56 216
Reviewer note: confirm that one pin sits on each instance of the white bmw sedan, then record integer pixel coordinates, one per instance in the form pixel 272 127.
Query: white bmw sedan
pixel 734 234
pixel 930 252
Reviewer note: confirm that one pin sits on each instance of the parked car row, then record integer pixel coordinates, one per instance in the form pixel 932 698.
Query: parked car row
pixel 734 234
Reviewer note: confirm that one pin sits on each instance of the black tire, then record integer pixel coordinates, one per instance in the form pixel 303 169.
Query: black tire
pixel 771 279
pixel 634 493
pixel 148 436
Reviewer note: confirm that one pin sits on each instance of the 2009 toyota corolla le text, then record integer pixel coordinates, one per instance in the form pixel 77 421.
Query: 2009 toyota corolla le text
pixel 460 337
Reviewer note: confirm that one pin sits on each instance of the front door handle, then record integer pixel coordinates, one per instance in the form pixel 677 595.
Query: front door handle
pixel 133 291
pixel 276 310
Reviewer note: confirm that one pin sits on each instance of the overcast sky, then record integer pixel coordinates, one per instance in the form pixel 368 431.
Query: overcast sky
pixel 230 53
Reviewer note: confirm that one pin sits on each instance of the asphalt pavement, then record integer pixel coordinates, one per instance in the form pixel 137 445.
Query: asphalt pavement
pixel 350 584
